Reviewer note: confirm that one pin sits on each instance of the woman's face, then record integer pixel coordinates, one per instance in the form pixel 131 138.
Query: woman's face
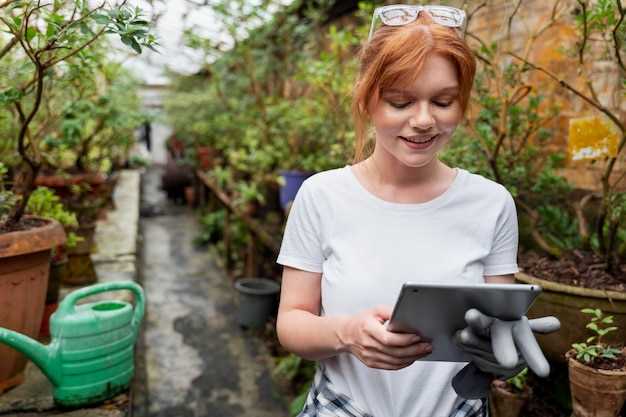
pixel 413 122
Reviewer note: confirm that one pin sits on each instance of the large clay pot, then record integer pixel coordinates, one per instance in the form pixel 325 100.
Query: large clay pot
pixel 595 392
pixel 24 268
pixel 503 403
pixel 565 302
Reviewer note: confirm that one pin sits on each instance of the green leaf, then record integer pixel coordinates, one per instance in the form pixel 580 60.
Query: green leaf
pixel 101 18
pixel 31 32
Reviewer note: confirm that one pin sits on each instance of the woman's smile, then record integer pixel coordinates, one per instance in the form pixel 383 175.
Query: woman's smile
pixel 419 142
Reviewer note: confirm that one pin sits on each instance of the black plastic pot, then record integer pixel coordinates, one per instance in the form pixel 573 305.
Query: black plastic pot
pixel 257 301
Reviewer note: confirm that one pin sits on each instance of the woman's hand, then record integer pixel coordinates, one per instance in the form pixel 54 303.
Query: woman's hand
pixel 366 336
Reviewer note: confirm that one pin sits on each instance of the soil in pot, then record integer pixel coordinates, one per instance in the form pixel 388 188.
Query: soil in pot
pixel 599 388
pixel 576 281
pixel 505 400
pixel 578 269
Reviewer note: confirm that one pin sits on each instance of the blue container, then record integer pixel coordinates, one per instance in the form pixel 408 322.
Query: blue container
pixel 293 182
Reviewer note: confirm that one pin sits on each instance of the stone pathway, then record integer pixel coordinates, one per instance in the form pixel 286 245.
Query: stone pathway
pixel 194 360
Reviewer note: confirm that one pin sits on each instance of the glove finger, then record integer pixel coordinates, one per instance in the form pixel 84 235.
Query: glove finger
pixel 478 321
pixel 467 338
pixel 545 324
pixel 529 348
pixel 471 383
pixel 503 344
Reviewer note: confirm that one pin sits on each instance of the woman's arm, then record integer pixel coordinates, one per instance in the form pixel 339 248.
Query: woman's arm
pixel 300 328
pixel 303 331
pixel 500 279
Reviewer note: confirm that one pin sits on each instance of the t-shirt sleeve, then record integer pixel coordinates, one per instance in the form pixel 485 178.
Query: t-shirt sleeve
pixel 301 247
pixel 502 259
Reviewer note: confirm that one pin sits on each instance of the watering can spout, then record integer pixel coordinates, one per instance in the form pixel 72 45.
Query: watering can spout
pixel 41 355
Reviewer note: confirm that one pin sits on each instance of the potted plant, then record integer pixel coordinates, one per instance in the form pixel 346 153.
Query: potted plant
pixel 44 203
pixel 40 38
pixel 25 252
pixel 597 370
pixel 508 397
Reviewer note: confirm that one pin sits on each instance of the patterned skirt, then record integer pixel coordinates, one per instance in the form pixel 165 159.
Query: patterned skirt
pixel 324 401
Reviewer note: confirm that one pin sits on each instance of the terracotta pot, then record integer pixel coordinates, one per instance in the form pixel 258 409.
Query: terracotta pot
pixel 190 195
pixel 88 204
pixel 595 392
pixel 24 268
pixel 62 183
pixel 565 302
pixel 206 157
pixel 503 403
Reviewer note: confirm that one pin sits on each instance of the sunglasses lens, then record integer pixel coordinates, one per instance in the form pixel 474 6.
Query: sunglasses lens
pixel 398 16
pixel 446 17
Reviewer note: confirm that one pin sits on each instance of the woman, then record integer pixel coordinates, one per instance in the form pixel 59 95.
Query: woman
pixel 356 234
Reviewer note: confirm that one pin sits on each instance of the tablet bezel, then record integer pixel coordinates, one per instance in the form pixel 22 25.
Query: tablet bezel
pixel 413 311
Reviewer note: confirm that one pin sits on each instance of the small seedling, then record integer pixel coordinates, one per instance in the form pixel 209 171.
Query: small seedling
pixel 519 381
pixel 593 347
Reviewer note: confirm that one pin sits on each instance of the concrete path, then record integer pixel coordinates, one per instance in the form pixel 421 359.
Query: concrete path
pixel 196 360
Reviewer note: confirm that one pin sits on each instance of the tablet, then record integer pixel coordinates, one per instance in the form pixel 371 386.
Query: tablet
pixel 437 311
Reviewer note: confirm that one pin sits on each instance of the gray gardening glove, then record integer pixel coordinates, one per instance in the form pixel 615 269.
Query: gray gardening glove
pixel 499 348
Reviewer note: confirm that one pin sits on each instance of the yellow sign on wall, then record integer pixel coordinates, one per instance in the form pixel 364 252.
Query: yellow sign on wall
pixel 592 137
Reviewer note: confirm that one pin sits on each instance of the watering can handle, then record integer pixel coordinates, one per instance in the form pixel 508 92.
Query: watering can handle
pixel 68 303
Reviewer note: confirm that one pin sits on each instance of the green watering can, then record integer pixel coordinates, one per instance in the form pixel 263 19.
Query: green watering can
pixel 91 356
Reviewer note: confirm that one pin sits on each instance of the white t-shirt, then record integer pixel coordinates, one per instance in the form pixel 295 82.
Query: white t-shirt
pixel 366 248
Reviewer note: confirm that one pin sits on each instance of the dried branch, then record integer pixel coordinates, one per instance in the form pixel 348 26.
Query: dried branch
pixel 616 40
pixel 571 88
pixel 511 17
pixel 583 44
pixel 583 225
pixel 75 51
pixel 7 48
pixel 536 235
pixel 6 3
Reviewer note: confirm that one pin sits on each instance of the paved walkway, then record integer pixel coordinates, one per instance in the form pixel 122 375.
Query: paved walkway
pixel 194 359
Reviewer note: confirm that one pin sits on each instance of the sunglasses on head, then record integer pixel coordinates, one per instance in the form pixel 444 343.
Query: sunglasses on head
pixel 403 14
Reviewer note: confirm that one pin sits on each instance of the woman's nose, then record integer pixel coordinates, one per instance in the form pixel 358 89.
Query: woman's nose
pixel 422 118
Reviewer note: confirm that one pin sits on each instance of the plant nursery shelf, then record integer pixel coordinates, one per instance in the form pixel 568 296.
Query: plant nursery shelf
pixel 264 236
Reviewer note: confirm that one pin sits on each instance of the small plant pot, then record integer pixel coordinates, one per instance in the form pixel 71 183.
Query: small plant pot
pixel 257 301
pixel 504 403
pixel 293 182
pixel 595 392
pixel 190 196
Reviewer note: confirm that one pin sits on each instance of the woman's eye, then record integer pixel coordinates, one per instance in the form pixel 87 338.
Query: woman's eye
pixel 443 103
pixel 400 105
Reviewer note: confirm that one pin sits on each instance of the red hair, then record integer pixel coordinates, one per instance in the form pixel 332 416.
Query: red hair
pixel 397 53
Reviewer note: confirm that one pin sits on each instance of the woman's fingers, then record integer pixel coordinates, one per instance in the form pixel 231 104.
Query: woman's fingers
pixel 381 360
